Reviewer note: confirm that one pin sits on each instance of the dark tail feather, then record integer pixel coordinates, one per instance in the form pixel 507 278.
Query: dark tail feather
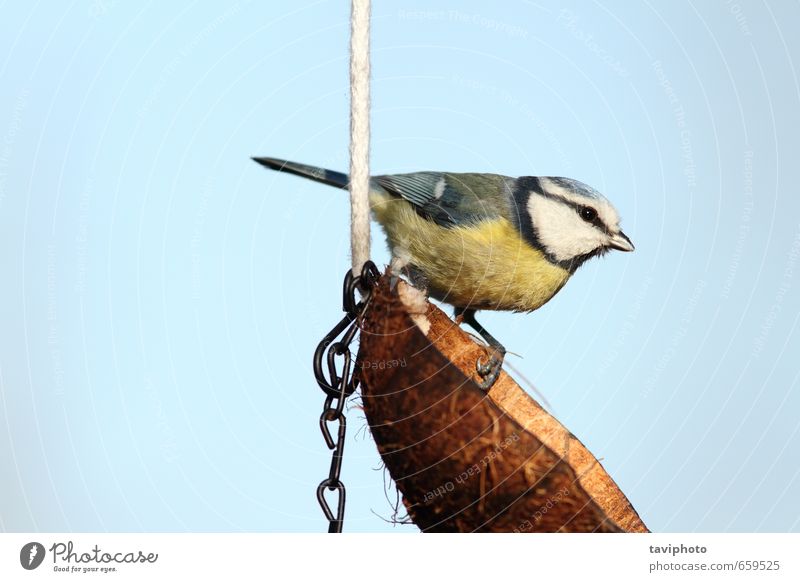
pixel 328 177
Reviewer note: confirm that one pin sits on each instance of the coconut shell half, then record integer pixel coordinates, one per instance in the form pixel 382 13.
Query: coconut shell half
pixel 465 460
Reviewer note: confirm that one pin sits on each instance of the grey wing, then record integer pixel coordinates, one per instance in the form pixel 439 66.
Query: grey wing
pixel 450 199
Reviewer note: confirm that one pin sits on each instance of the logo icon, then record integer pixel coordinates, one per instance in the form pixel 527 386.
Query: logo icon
pixel 31 555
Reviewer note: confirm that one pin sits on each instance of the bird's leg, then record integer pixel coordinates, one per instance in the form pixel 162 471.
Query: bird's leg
pixel 400 266
pixel 491 369
pixel 397 267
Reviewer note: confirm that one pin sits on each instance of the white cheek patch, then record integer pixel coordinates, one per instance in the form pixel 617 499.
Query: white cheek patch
pixel 560 230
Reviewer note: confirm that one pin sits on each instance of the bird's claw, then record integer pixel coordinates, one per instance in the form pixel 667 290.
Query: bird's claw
pixel 489 371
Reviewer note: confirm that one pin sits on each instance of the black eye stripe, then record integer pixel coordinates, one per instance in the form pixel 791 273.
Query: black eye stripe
pixel 596 221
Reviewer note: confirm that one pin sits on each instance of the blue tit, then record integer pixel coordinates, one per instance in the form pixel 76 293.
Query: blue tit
pixel 485 241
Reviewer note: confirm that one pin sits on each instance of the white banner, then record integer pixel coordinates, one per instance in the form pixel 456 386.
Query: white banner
pixel 382 557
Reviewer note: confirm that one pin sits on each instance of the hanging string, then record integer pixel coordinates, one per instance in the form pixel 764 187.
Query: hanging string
pixel 359 133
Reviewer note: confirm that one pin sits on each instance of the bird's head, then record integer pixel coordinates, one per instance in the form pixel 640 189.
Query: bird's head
pixel 572 222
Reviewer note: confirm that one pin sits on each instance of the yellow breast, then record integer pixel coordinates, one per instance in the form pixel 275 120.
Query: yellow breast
pixel 483 266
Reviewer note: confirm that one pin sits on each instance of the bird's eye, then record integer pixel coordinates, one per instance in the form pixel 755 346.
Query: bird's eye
pixel 588 213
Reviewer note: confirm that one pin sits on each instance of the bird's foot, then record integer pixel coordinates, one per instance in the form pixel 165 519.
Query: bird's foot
pixel 489 371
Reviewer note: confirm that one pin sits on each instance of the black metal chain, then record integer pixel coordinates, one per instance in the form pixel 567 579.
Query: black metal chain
pixel 338 387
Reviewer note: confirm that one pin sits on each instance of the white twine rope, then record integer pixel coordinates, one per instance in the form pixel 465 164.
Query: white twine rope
pixel 359 133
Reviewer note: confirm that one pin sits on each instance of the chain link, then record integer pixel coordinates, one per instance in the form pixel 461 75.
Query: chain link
pixel 339 386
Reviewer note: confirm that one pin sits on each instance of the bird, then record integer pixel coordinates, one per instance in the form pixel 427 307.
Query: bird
pixel 482 241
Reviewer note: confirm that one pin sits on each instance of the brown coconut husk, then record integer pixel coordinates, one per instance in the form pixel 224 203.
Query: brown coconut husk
pixel 463 460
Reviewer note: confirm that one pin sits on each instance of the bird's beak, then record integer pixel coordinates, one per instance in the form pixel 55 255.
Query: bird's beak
pixel 621 242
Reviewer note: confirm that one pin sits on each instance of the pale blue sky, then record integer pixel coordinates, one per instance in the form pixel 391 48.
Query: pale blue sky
pixel 162 294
